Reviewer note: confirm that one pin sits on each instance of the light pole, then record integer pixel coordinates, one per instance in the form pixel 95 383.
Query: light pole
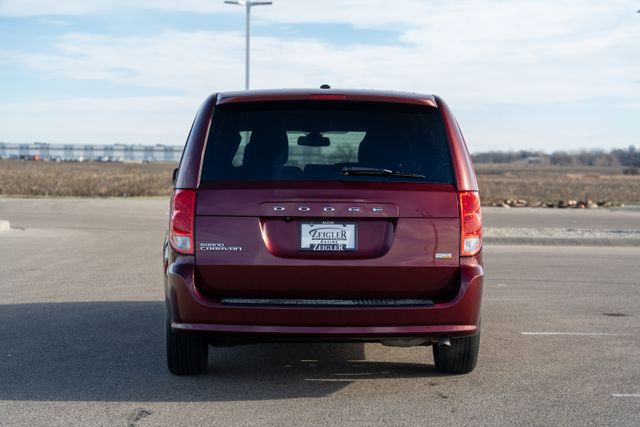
pixel 247 5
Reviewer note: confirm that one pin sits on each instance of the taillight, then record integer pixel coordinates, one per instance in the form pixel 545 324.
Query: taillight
pixel 470 223
pixel 182 219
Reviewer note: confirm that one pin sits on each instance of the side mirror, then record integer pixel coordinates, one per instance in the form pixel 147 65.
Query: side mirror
pixel 174 176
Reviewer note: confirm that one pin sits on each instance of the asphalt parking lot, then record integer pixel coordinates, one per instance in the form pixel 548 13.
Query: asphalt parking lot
pixel 81 336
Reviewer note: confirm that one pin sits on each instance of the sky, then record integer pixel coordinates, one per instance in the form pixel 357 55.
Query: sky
pixel 522 74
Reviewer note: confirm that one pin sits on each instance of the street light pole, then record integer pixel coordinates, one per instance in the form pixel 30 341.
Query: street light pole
pixel 247 44
pixel 247 5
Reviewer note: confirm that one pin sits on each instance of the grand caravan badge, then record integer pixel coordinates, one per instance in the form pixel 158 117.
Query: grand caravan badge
pixel 328 236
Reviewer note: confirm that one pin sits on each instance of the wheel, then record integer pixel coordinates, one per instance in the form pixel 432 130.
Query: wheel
pixel 186 354
pixel 460 358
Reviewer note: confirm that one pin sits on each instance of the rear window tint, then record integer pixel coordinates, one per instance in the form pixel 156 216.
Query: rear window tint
pixel 320 140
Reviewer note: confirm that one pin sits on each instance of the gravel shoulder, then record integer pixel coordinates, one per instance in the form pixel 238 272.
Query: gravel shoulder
pixel 530 226
pixel 561 236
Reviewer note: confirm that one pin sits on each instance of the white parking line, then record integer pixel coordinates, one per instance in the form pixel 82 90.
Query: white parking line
pixel 587 334
pixel 626 395
pixel 355 374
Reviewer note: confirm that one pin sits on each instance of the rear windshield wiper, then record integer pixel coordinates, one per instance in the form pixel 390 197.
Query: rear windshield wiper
pixel 362 171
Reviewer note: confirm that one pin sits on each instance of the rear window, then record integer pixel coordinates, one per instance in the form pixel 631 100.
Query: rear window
pixel 326 140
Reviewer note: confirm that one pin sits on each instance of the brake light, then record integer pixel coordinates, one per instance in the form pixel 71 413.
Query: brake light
pixel 470 223
pixel 327 97
pixel 182 220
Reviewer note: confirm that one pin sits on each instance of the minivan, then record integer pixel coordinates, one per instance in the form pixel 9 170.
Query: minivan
pixel 324 215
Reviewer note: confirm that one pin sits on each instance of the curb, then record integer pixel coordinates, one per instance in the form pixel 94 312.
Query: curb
pixel 4 225
pixel 559 241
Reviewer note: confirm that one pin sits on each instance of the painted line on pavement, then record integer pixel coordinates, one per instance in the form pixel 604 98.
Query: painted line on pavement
pixel 586 334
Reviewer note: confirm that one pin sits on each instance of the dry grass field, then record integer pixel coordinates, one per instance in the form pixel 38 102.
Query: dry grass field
pixel 537 183
pixel 27 178
pixel 533 183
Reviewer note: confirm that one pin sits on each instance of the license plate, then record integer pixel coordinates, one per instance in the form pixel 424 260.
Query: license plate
pixel 328 236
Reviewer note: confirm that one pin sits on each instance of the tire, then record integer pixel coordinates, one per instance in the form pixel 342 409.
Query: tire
pixel 186 354
pixel 460 358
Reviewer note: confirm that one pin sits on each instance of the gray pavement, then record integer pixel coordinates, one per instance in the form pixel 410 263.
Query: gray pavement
pixel 601 218
pixel 81 337
pixel 582 227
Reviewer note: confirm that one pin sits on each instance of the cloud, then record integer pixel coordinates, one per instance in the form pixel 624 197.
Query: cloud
pixel 473 50
pixel 128 120
pixel 475 53
pixel 467 68
pixel 24 8
pixel 558 15
pixel 186 61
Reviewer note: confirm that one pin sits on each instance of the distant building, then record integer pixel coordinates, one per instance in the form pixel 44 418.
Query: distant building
pixel 91 152
pixel 537 160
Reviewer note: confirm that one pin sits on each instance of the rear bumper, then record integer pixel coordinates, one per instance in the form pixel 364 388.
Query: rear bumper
pixel 192 312
pixel 323 332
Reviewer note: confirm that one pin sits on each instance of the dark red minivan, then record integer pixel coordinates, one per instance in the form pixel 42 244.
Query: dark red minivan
pixel 324 215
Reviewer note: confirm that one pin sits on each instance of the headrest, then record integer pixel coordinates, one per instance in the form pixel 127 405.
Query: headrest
pixel 266 147
pixel 227 149
pixel 384 148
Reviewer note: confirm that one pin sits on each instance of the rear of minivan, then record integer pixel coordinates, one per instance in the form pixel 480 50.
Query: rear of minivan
pixel 325 216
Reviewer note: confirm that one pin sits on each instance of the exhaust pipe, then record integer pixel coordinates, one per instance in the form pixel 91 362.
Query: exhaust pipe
pixel 444 343
pixel 404 342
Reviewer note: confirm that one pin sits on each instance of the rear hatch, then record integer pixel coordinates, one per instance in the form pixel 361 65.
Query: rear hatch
pixel 327 200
